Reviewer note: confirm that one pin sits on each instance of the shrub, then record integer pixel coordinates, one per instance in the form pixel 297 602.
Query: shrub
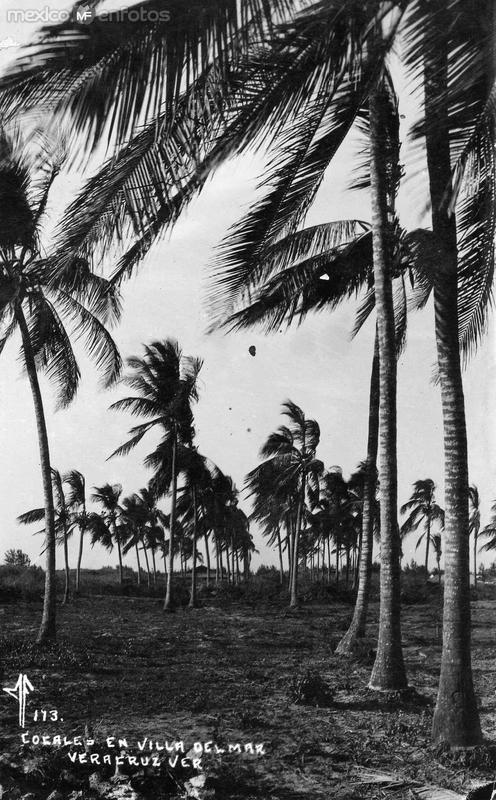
pixel 21 583
pixel 310 690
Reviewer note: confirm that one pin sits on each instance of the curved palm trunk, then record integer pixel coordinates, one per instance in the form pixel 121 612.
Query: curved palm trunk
pixel 47 629
pixel 356 630
pixel 170 565
pixel 192 599
pixel 456 718
pixel 389 671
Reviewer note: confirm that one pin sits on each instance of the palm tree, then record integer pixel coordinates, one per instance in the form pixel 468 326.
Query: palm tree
pixel 423 511
pixel 61 523
pixel 131 528
pixel 456 90
pixel 82 519
pixel 290 452
pixel 474 522
pixel 40 305
pixel 166 383
pixel 108 497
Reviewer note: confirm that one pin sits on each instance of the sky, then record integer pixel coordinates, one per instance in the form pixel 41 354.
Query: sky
pixel 316 365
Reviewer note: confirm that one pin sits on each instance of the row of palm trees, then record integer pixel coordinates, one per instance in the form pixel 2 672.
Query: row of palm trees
pixel 203 500
pixel 297 77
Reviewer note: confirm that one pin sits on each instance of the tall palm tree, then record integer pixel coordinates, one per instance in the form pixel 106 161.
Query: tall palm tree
pixel 108 497
pixel 474 522
pixel 166 383
pixel 40 306
pixel 423 511
pixel 290 450
pixel 457 87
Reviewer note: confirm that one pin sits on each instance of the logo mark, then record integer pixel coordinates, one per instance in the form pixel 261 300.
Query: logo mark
pixel 20 693
pixel 84 14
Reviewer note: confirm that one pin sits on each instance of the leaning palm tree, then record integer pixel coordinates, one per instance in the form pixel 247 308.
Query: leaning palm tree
pixel 474 522
pixel 40 307
pixel 423 510
pixel 166 382
pixel 108 497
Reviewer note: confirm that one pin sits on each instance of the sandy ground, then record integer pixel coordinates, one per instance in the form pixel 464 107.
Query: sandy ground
pixel 230 676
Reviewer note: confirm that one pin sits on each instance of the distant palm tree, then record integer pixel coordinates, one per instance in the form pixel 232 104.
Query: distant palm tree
pixel 108 497
pixel 474 522
pixel 166 383
pixel 423 510
pixel 79 517
pixel 489 531
pixel 290 453
pixel 61 523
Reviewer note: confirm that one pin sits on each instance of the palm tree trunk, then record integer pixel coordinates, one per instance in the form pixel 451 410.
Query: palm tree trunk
pixel 170 566
pixel 456 718
pixel 427 544
pixel 148 576
pixel 66 567
pixel 279 550
pixel 338 548
pixel 192 599
pixel 389 671
pixel 207 556
pixel 294 578
pixel 80 557
pixel 154 566
pixel 47 629
pixel 119 550
pixel 357 627
pixel 475 560
pixel 138 562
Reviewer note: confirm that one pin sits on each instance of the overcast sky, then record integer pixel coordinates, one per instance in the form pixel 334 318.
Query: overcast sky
pixel 316 366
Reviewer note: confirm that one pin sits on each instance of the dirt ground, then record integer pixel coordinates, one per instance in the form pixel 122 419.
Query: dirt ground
pixel 231 676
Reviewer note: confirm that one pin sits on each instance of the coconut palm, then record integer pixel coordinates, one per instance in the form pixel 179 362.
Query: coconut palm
pixel 108 497
pixel 423 510
pixel 200 477
pixel 61 523
pixel 80 518
pixel 166 383
pixel 474 522
pixel 290 453
pixel 40 307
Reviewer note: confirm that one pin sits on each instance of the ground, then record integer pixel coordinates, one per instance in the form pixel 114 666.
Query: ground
pixel 232 675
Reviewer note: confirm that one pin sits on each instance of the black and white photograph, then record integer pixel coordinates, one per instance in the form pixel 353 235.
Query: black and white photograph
pixel 247 424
